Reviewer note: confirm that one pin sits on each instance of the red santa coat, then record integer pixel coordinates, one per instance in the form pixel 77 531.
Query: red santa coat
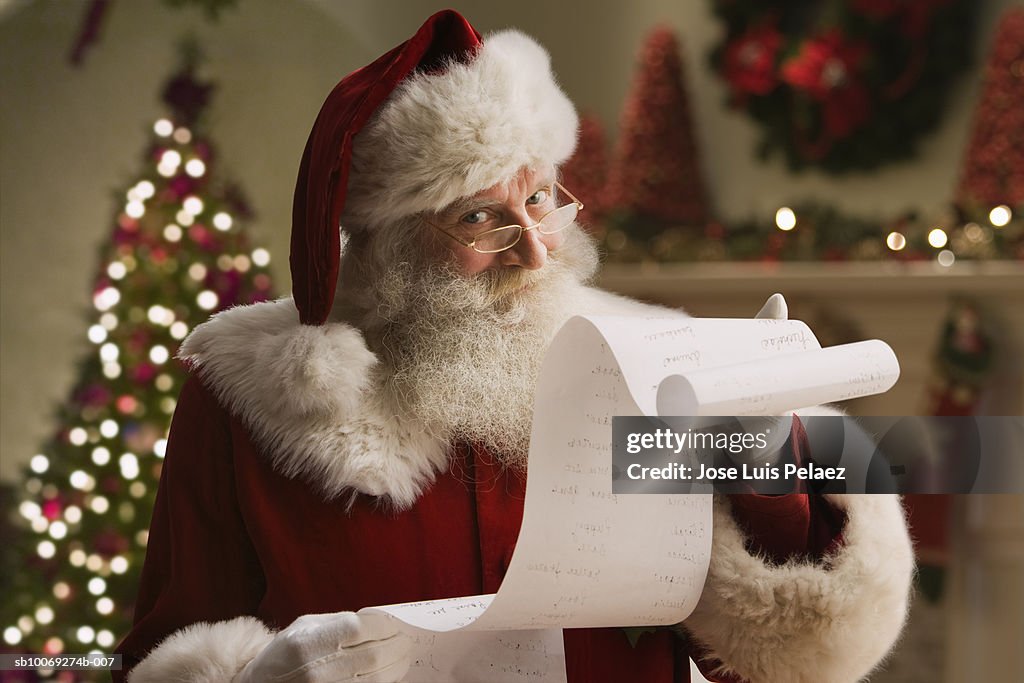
pixel 242 531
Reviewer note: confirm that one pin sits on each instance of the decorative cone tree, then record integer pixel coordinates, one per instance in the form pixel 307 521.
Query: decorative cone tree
pixel 993 167
pixel 177 253
pixel 655 181
pixel 585 174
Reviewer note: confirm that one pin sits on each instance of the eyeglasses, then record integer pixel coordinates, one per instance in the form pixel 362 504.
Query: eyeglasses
pixel 499 239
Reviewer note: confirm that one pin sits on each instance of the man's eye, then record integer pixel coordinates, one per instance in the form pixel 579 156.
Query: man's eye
pixel 476 217
pixel 539 197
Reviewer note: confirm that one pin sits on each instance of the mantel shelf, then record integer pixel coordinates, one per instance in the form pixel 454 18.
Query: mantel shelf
pixel 657 279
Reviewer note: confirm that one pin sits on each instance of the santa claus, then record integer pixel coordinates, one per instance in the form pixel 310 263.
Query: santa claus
pixel 365 441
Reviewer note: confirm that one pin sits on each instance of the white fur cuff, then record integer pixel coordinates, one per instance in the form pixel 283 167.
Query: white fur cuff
pixel 203 652
pixel 806 622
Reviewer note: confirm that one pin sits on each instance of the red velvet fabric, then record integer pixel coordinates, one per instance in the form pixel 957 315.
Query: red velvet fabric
pixel 793 525
pixel 232 537
pixel 323 171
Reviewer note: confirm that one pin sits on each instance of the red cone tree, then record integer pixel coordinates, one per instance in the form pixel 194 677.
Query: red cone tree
pixel 655 176
pixel 585 174
pixel 993 170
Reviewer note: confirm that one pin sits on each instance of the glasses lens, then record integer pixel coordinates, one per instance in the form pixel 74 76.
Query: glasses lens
pixel 497 240
pixel 559 219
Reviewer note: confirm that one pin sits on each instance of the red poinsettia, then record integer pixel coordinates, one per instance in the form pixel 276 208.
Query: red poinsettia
pixel 749 60
pixel 828 68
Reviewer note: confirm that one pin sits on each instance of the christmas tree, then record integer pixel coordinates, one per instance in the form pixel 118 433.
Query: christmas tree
pixel 177 253
pixel 586 173
pixel 655 180
pixel 993 167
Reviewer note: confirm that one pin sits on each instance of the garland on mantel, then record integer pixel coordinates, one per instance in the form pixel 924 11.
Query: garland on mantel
pixel 821 232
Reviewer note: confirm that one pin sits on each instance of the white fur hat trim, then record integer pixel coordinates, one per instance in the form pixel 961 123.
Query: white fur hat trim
pixel 450 134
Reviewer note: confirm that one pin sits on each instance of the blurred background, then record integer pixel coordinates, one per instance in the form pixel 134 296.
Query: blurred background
pixel 864 157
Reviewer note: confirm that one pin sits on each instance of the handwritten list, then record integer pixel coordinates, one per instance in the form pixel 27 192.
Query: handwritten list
pixel 586 557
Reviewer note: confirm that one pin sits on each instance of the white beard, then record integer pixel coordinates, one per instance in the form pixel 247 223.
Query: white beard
pixel 463 354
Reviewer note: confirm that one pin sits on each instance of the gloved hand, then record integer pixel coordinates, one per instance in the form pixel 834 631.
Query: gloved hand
pixel 774 308
pixel 332 648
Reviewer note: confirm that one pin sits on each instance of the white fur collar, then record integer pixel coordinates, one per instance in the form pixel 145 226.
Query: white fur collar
pixel 311 398
pixel 307 396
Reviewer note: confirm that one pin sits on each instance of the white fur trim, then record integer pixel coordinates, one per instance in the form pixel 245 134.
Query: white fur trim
pixel 446 135
pixel 203 652
pixel 806 622
pixel 308 396
pixel 311 398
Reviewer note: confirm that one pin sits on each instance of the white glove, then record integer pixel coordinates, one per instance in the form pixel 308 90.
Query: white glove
pixel 332 648
pixel 774 308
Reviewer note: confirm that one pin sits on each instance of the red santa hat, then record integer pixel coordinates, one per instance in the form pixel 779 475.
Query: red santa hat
pixel 444 115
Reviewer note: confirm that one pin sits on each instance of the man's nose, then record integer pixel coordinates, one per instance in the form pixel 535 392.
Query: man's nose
pixel 529 252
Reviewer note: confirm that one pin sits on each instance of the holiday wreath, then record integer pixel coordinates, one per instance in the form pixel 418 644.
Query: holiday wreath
pixel 844 84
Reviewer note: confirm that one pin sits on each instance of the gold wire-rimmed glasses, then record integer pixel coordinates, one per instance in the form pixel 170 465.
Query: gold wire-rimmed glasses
pixel 507 236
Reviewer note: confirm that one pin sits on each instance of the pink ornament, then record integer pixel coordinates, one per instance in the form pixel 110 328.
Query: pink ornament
pixel 110 543
pixel 52 509
pixel 262 282
pixel 144 373
pixel 199 234
pixel 126 404
pixel 182 185
pixel 203 151
pixel 93 395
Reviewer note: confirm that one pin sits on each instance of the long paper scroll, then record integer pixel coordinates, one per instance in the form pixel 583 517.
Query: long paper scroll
pixel 586 557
